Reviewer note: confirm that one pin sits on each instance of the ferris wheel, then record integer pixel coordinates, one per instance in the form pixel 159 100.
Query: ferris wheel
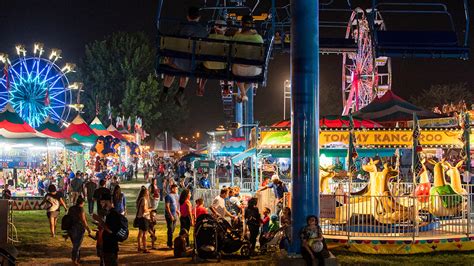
pixel 364 76
pixel 36 87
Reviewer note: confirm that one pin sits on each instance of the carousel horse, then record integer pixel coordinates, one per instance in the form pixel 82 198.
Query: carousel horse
pixel 444 200
pixel 325 174
pixel 376 201
pixel 455 176
pixel 422 190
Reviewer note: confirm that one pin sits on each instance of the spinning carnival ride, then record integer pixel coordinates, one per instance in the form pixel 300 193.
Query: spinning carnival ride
pixel 36 87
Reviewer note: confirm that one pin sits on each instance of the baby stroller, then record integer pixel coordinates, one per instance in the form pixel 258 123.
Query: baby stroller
pixel 231 239
pixel 270 241
pixel 214 237
pixel 205 238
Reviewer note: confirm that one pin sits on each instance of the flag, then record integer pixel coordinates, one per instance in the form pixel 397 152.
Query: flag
pixel 96 106
pixel 129 123
pixel 7 79
pixel 46 97
pixel 417 165
pixel 109 111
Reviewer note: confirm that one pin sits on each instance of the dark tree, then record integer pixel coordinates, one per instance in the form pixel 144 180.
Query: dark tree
pixel 440 94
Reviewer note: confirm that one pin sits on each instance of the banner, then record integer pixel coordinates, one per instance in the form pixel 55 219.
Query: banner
pixel 366 138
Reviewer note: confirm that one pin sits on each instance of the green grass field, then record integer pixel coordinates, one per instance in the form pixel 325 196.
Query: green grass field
pixel 36 246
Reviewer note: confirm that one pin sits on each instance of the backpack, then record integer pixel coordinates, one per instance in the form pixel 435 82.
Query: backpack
pixel 122 233
pixel 66 222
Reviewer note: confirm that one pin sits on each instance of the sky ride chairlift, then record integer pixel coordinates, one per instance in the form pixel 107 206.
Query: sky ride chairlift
pixel 440 41
pixel 203 49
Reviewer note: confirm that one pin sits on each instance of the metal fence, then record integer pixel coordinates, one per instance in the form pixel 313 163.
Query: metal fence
pixel 207 195
pixel 400 216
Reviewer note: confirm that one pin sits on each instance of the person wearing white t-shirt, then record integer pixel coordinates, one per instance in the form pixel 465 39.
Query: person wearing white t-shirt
pixel 218 205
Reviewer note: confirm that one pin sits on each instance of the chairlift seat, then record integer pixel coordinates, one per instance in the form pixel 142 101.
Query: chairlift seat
pixel 203 49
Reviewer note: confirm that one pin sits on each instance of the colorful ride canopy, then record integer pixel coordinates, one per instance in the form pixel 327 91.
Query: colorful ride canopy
pixel 51 129
pixel 80 131
pixel 231 147
pixel 13 126
pixel 392 108
pixel 98 128
pixel 115 133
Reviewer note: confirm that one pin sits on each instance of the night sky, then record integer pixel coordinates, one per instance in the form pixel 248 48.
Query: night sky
pixel 70 25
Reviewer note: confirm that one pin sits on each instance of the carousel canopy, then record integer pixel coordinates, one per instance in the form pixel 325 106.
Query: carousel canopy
pixel 115 133
pixel 51 129
pixel 231 147
pixel 12 126
pixel 336 121
pixel 98 128
pixel 80 131
pixel 392 108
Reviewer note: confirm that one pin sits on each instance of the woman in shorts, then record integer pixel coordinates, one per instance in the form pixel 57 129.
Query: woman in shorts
pixel 54 201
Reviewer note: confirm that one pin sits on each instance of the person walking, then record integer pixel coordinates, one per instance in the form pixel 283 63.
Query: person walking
pixel 110 225
pixel 76 188
pixel 154 194
pixel 253 220
pixel 186 219
pixel 143 218
pixel 55 202
pixel 171 213
pixel 78 228
pixel 119 200
pixel 89 188
pixel 98 193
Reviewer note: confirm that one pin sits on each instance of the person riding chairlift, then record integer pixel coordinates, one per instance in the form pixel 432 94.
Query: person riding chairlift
pixel 247 34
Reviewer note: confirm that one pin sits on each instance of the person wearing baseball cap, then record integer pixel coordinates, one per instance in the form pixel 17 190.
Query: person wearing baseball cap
pixel 279 188
pixel 217 33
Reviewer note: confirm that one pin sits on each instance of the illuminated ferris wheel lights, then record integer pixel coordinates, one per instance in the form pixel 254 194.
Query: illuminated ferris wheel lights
pixel 77 106
pixel 20 50
pixel 38 48
pixel 76 86
pixel 69 67
pixel 55 54
pixel 4 58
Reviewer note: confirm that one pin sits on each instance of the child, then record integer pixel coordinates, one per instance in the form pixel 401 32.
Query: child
pixel 180 249
pixel 265 220
pixel 151 229
pixel 199 209
pixel 274 225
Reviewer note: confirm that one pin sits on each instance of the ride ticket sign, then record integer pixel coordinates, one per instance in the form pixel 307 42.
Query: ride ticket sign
pixel 327 206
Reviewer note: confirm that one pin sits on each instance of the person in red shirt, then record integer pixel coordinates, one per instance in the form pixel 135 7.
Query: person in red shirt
pixel 199 209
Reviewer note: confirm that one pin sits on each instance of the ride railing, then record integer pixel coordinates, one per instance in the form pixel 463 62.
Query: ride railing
pixel 406 217
pixel 207 195
pixel 402 188
pixel 12 232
